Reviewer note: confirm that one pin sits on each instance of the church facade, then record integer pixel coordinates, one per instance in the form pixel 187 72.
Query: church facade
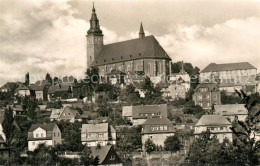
pixel 143 55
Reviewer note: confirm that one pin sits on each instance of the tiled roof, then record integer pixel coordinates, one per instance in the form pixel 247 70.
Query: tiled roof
pixel 147 47
pixel 58 87
pixel 157 121
pixel 231 109
pixel 37 87
pixel 47 127
pixel 43 83
pixel 101 152
pixel 213 67
pixel 135 111
pixel 211 86
pixel 94 128
pixel 23 87
pixel 212 120
pixel 9 85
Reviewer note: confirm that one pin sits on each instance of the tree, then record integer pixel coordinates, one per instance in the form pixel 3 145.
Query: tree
pixel 91 81
pixel 149 146
pixel 48 78
pixel 130 95
pixel 71 135
pixel 153 95
pixel 8 125
pixel 172 144
pixel 245 131
pixel 229 99
pixel 86 157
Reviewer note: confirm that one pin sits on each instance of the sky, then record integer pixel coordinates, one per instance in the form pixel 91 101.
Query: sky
pixel 40 36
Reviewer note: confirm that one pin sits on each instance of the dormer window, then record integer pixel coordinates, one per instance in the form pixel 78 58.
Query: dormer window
pixel 130 56
pixel 96 62
pixel 104 60
pixel 139 54
pixel 112 59
pixel 121 57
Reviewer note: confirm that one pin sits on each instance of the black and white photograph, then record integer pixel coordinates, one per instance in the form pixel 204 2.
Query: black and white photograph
pixel 129 82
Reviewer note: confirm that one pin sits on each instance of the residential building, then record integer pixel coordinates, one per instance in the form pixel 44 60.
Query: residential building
pixel 18 110
pixel 137 115
pixel 59 91
pixel 157 129
pixel 9 87
pixel 107 156
pixel 143 54
pixel 231 76
pixel 66 113
pixel 217 125
pixel 101 133
pixel 231 111
pixel 176 90
pixel 41 92
pixel 49 134
pixel 258 83
pixel 23 90
pixel 207 94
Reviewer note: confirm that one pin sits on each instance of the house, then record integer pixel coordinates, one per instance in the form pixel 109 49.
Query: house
pixel 59 91
pixel 177 89
pixel 217 125
pixel 66 113
pixel 206 94
pixel 230 111
pixel 4 149
pixel 41 92
pixel 49 134
pixel 157 129
pixel 18 110
pixel 230 76
pixel 9 87
pixel 258 83
pixel 107 156
pixel 101 133
pixel 23 90
pixel 139 114
pixel 143 54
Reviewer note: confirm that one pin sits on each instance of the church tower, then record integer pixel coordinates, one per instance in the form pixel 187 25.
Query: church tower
pixel 141 32
pixel 94 39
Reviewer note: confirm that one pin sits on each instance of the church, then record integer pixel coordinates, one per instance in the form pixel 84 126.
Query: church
pixel 143 55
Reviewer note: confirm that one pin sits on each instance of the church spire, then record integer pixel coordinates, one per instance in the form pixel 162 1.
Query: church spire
pixel 141 32
pixel 94 23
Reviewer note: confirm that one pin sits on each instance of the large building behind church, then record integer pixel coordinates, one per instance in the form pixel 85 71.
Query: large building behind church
pixel 141 55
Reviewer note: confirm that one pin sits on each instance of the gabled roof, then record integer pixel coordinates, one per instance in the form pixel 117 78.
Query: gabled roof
pixel 43 83
pixel 47 127
pixel 55 113
pixel 135 111
pixel 58 87
pixel 213 67
pixel 94 128
pixel 231 109
pixel 9 85
pixel 157 121
pixel 101 152
pixel 23 87
pixel 212 120
pixel 210 86
pixel 37 87
pixel 148 47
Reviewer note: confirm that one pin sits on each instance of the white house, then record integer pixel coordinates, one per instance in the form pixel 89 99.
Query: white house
pixel 49 134
pixel 94 134
pixel 23 90
pixel 217 125
pixel 157 129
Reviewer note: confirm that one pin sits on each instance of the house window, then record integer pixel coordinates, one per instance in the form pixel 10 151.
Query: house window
pixel 37 135
pixel 100 143
pixel 161 127
pixel 54 134
pixel 152 128
pixel 41 134
pixel 54 142
pixel 33 143
pixel 150 137
pixel 200 97
pixel 221 128
pixel 165 127
pixel 100 135
pixel 58 134
pixel 212 128
pixel 224 136
pixel 112 157
pixel 88 135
